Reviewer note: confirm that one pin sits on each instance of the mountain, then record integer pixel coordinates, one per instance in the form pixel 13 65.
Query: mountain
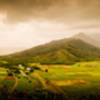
pixel 65 51
pixel 89 39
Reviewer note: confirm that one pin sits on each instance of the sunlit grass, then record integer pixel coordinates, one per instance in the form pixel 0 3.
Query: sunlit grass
pixel 84 76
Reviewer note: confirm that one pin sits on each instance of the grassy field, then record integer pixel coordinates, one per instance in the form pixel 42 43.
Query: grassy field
pixel 76 82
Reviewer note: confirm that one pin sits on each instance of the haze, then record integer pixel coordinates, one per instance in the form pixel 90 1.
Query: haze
pixel 27 23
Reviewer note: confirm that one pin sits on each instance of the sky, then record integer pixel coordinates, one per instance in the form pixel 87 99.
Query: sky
pixel 27 23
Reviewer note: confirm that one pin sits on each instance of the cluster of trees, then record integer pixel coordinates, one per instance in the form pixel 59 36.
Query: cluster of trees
pixel 14 69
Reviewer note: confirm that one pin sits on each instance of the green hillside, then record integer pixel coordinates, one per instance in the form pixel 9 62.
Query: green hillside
pixel 65 51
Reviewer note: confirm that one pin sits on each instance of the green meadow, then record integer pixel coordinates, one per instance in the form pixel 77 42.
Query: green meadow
pixel 77 81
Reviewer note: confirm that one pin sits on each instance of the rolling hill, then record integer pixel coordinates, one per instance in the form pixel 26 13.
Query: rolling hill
pixel 65 51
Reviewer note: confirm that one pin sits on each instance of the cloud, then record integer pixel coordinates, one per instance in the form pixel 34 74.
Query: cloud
pixel 60 10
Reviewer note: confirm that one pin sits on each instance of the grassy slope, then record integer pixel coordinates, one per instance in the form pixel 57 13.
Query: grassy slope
pixel 66 51
pixel 82 70
pixel 77 80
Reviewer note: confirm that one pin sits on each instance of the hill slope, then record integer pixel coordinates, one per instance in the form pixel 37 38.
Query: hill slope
pixel 88 39
pixel 65 51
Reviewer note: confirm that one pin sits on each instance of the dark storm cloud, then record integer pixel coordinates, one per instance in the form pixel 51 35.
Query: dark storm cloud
pixel 63 10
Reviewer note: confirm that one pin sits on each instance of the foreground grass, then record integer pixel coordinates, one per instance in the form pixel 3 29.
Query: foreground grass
pixel 78 80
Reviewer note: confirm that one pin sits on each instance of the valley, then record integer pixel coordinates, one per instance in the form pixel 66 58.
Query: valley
pixel 67 69
pixel 71 81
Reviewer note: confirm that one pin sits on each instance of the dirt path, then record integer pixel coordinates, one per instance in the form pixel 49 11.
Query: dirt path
pixel 23 73
pixel 15 85
pixel 40 79
pixel 11 97
pixel 47 84
pixel 50 84
pixel 57 89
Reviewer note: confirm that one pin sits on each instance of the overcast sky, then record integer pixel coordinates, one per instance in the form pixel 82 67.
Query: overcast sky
pixel 27 23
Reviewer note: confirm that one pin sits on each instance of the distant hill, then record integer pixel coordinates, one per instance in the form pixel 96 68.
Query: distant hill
pixel 89 39
pixel 65 51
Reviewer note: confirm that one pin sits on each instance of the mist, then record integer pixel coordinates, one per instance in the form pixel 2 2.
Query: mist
pixel 27 23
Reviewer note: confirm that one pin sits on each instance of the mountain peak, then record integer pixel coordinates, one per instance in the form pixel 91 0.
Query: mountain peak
pixel 80 35
pixel 87 38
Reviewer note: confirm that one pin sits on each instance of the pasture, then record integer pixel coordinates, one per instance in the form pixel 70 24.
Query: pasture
pixel 75 82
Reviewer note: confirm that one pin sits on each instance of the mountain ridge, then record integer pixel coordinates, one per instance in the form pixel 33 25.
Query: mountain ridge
pixel 64 51
pixel 88 39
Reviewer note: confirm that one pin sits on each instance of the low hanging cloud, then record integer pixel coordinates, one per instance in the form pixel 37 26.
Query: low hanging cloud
pixel 60 10
pixel 27 23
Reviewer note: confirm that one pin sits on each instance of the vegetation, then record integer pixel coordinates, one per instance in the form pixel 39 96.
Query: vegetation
pixel 67 69
pixel 66 51
pixel 79 81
